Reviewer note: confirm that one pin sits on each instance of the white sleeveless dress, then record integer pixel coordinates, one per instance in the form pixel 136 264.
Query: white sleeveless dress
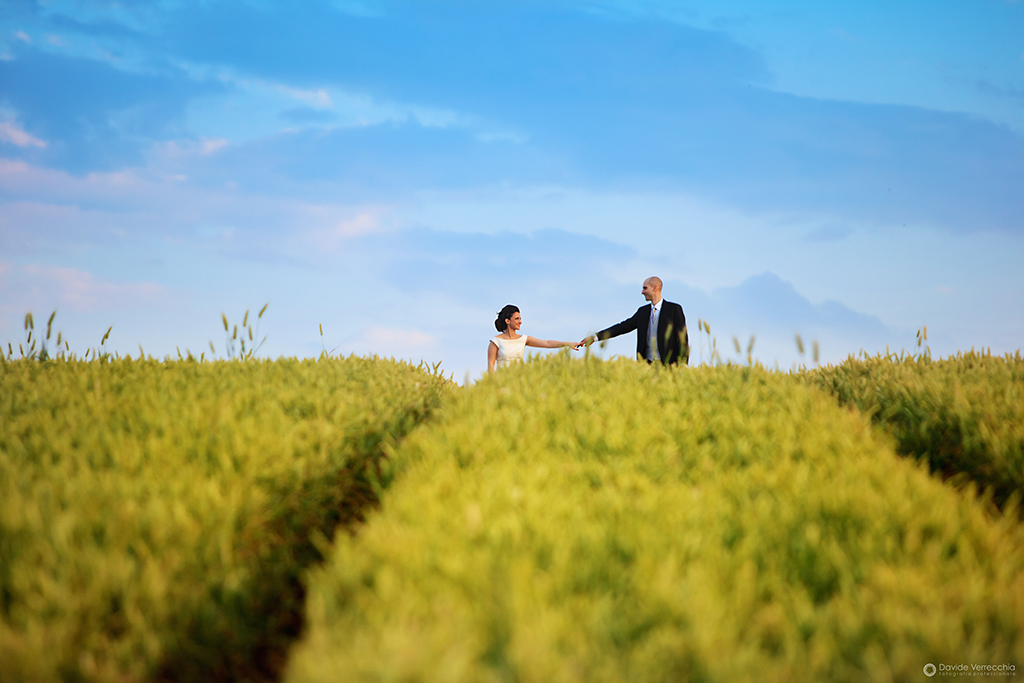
pixel 509 350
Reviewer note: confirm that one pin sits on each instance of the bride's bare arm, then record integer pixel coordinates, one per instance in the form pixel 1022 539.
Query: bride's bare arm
pixel 547 343
pixel 492 356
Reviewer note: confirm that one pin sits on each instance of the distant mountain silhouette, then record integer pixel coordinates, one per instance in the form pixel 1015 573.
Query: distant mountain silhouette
pixel 767 298
pixel 772 310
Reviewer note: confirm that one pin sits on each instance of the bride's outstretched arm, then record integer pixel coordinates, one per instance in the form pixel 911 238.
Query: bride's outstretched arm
pixel 547 343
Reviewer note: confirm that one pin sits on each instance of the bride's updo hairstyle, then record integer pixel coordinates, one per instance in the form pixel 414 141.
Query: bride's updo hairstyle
pixel 504 315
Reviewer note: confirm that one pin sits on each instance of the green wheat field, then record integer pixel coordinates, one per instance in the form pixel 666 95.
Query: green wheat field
pixel 566 519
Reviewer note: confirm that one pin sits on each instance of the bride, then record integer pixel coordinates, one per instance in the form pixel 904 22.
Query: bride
pixel 510 345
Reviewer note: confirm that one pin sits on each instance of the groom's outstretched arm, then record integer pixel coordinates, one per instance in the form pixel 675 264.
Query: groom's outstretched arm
pixel 627 325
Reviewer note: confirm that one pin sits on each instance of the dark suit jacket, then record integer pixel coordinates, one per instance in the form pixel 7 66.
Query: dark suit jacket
pixel 673 339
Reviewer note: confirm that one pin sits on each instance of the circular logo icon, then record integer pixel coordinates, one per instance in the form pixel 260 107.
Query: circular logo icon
pixel 929 669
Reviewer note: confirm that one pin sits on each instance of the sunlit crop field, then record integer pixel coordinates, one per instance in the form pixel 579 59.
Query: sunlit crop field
pixel 156 518
pixel 562 520
pixel 964 415
pixel 571 521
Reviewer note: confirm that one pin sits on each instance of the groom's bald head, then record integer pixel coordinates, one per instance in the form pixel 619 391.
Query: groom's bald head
pixel 652 289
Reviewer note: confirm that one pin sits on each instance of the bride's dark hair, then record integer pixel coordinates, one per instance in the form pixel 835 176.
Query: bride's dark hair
pixel 504 315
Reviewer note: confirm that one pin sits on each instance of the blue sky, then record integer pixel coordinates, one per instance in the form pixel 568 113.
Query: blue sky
pixel 398 171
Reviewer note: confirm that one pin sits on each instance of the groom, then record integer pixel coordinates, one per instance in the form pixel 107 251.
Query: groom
pixel 660 328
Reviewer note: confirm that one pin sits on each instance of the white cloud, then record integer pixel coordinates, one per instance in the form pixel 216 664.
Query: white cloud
pixel 389 342
pixel 10 132
pixel 213 144
pixel 183 149
pixel 270 109
pixel 28 182
pixel 433 117
pixel 385 336
pixel 362 110
pixel 62 212
pixel 22 36
pixel 363 221
pixel 42 287
pixel 319 98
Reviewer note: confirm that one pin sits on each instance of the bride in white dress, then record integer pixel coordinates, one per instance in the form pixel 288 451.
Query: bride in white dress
pixel 509 346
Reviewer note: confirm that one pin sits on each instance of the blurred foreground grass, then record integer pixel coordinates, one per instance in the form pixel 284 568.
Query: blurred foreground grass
pixel 559 521
pixel 156 518
pixel 610 521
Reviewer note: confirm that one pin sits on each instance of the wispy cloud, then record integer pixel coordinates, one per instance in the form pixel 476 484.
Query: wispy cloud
pixel 95 115
pixel 318 97
pixel 398 342
pixel 391 337
pixel 337 231
pixel 180 149
pixel 363 223
pixel 392 106
pixel 47 209
pixel 77 290
pixel 11 132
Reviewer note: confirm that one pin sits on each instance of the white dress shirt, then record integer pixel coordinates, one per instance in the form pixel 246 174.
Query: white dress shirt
pixel 652 332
